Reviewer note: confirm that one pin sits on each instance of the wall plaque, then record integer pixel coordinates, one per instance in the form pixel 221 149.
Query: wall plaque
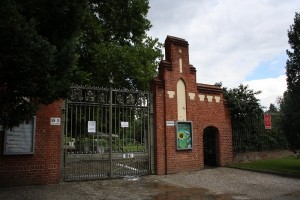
pixel 20 139
pixel 170 123
pixel 55 121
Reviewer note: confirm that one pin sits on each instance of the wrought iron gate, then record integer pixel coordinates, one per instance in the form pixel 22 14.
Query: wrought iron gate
pixel 107 133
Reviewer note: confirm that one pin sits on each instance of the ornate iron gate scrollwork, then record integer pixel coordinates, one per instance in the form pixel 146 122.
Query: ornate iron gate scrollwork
pixel 87 155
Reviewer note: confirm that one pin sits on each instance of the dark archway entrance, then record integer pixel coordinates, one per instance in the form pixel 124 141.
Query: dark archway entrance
pixel 210 145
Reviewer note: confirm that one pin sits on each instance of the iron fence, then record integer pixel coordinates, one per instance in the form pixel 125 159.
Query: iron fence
pixel 249 134
pixel 107 133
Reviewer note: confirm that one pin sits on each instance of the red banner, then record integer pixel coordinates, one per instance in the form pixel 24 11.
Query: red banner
pixel 268 123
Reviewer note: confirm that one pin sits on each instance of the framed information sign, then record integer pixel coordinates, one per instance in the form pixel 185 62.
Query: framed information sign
pixel 267 120
pixel 91 126
pixel 184 135
pixel 20 139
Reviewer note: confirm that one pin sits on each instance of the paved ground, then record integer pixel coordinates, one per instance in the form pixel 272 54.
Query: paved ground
pixel 218 183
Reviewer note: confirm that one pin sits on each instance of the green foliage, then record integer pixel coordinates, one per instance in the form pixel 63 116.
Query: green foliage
pixel 132 66
pixel 293 62
pixel 114 40
pixel 248 131
pixel 45 46
pixel 127 145
pixel 242 102
pixel 291 120
pixel 249 134
pixel 272 108
pixel 290 105
pixel 287 165
pixel 101 142
pixel 123 21
pixel 36 55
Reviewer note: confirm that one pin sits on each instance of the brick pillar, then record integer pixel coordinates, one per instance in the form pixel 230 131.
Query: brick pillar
pixel 159 126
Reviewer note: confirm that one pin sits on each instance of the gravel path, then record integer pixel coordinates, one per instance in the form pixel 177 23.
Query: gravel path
pixel 242 184
pixel 218 183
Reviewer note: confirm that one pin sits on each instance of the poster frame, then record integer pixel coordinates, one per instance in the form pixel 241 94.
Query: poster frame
pixel 184 135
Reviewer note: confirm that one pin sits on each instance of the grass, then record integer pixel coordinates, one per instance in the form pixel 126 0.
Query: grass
pixel 287 165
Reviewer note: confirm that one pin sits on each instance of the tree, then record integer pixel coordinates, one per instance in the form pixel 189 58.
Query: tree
pixel 272 109
pixel 242 102
pixel 290 105
pixel 36 54
pixel 45 46
pixel 114 40
pixel 248 133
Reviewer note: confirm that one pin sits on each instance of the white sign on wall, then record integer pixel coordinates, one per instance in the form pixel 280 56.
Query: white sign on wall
pixel 91 126
pixel 54 121
pixel 124 124
pixel 170 123
pixel 20 139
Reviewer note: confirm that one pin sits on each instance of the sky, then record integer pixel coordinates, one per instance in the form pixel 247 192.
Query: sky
pixel 231 41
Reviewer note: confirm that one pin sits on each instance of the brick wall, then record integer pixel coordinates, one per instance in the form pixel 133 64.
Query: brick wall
pixel 205 107
pixel 43 167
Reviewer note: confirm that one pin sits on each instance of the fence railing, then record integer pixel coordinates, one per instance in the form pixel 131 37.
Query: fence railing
pixel 249 134
pixel 107 132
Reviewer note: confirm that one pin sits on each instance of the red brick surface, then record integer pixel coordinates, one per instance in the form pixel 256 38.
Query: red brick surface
pixel 43 167
pixel 203 114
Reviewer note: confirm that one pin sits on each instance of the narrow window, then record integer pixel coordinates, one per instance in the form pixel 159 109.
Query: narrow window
pixel 181 101
pixel 180 65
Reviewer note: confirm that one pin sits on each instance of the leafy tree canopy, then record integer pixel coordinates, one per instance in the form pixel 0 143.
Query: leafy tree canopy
pixel 242 102
pixel 37 54
pixel 290 105
pixel 272 109
pixel 114 40
pixel 293 62
pixel 45 46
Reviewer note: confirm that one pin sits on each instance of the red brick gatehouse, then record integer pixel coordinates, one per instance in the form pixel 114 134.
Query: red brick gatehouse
pixel 199 108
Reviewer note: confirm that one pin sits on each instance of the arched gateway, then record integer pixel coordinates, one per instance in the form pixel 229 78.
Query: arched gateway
pixel 192 125
pixel 211 146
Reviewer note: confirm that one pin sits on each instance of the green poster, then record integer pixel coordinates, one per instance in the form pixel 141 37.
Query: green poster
pixel 184 135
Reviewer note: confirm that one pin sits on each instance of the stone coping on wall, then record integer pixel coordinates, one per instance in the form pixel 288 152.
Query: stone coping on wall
pixel 262 155
pixel 177 41
pixel 209 89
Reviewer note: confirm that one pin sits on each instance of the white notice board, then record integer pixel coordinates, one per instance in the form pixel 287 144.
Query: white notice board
pixel 124 124
pixel 20 139
pixel 91 126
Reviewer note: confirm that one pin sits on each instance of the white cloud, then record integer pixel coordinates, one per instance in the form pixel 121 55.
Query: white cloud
pixel 271 89
pixel 228 39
